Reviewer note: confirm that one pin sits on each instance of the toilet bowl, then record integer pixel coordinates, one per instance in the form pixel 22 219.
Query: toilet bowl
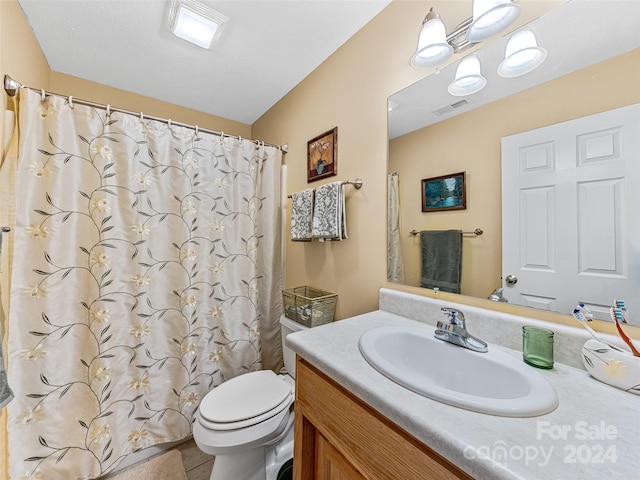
pixel 247 422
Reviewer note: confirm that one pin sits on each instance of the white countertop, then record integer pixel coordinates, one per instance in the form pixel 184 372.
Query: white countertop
pixel 593 434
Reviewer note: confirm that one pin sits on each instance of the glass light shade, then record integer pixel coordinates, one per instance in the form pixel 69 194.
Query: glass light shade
pixel 490 17
pixel 433 48
pixel 195 22
pixel 469 79
pixel 522 55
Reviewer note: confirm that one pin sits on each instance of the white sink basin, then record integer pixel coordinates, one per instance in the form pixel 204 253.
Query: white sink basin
pixel 494 382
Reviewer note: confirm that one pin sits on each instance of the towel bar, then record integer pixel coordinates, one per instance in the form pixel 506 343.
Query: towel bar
pixel 356 183
pixel 477 231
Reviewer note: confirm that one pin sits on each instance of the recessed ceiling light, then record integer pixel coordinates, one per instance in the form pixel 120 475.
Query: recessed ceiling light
pixel 196 23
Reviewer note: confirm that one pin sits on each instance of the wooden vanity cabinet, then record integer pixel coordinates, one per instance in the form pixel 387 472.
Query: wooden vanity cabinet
pixel 339 437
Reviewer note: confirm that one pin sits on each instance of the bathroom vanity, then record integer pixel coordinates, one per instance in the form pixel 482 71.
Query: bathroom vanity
pixel 338 436
pixel 353 422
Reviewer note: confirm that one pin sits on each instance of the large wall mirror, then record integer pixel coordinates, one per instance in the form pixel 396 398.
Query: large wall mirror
pixel 592 66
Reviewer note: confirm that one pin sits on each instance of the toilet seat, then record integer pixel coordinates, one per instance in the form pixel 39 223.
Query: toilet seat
pixel 215 442
pixel 249 422
pixel 245 401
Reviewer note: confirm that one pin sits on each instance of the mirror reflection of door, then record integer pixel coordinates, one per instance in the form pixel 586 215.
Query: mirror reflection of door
pixel 570 200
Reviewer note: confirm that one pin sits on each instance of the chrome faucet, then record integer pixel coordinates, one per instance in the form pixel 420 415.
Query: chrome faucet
pixel 498 296
pixel 455 331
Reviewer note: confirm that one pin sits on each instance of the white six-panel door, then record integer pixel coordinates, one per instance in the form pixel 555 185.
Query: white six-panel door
pixel 571 214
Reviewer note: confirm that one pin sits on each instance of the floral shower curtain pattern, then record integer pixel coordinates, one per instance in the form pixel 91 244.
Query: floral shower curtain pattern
pixel 145 272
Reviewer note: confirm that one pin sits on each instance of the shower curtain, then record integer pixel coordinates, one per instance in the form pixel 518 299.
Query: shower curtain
pixel 145 271
pixel 395 260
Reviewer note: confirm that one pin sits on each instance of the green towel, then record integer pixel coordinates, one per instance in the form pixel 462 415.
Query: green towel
pixel 441 259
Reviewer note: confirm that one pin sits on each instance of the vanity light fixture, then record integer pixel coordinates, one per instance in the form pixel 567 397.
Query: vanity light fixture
pixel 522 55
pixel 196 23
pixel 469 79
pixel 435 47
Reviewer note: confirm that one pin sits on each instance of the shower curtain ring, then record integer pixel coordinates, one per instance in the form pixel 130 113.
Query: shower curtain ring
pixel 169 123
pixel 70 101
pixel 141 117
pixel 108 110
pixel 43 95
pixel 197 130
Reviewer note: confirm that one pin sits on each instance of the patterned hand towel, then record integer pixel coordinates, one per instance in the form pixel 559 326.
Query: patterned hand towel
pixel 329 214
pixel 441 259
pixel 301 215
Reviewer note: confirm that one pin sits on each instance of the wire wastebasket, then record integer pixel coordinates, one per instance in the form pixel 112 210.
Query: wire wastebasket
pixel 309 306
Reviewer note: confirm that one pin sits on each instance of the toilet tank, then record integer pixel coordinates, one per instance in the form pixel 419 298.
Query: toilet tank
pixel 288 326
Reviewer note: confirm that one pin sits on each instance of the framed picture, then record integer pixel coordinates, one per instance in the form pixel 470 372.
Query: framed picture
pixel 447 192
pixel 322 156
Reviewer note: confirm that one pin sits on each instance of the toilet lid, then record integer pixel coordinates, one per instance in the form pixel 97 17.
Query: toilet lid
pixel 244 397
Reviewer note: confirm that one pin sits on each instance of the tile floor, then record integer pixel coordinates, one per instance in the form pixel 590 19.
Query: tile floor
pixel 197 464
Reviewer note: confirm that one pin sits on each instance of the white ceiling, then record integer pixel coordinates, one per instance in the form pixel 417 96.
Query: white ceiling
pixel 266 49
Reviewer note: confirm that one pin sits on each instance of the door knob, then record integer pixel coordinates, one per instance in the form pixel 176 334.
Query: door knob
pixel 511 280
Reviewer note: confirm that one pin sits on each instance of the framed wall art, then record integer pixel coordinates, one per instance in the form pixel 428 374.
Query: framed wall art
pixel 322 156
pixel 447 192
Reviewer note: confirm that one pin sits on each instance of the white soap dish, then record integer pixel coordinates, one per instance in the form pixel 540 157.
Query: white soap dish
pixel 616 368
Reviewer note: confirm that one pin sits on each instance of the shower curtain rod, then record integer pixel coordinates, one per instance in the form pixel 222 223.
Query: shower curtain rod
pixel 11 86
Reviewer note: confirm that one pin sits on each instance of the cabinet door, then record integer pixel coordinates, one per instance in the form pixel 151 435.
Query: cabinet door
pixel 331 464
pixel 339 437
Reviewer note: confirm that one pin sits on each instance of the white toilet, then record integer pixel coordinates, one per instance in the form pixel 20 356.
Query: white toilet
pixel 247 422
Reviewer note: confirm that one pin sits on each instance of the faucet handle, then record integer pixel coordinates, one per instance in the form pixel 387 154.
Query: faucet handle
pixel 455 316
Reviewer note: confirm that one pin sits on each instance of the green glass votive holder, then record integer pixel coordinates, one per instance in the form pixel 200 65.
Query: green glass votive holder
pixel 537 347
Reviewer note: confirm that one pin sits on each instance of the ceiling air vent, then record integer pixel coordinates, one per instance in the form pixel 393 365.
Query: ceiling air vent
pixel 449 108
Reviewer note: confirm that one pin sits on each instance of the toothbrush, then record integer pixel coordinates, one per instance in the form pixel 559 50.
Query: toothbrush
pixel 617 317
pixel 620 304
pixel 587 313
pixel 579 315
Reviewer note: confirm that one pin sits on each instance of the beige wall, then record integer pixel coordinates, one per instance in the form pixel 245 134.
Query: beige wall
pixel 95 92
pixel 459 145
pixel 20 55
pixel 350 91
